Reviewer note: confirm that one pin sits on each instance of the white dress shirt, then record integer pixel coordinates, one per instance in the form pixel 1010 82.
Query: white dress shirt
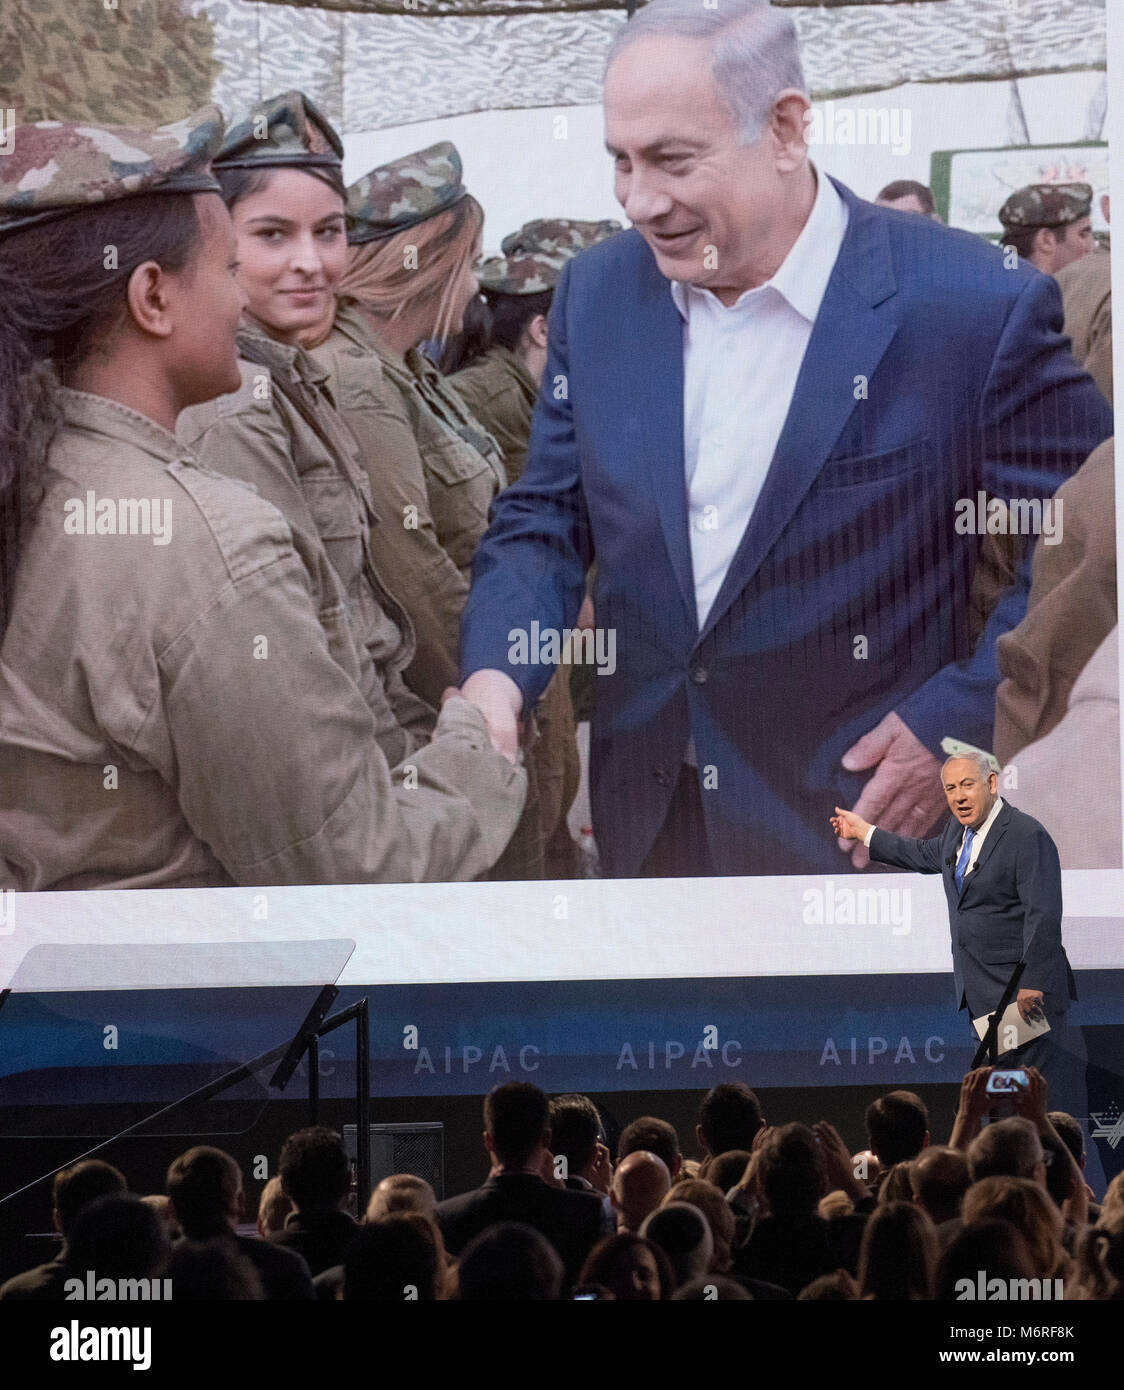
pixel 977 842
pixel 740 366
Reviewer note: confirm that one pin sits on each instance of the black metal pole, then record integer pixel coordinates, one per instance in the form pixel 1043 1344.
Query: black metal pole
pixel 363 1102
pixel 314 1080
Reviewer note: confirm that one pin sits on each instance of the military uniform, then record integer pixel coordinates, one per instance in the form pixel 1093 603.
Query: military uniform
pixel 178 709
pixel 501 393
pixel 1087 299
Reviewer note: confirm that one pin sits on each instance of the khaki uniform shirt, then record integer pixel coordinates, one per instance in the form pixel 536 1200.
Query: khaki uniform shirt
pixel 501 393
pixel 1087 298
pixel 172 713
pixel 1070 611
pixel 433 474
pixel 280 434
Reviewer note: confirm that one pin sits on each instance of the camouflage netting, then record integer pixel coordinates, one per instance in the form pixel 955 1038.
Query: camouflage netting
pixel 142 63
pixel 369 69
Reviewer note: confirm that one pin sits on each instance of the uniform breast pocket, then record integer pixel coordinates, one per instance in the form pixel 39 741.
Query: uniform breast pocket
pixel 335 509
pixel 890 465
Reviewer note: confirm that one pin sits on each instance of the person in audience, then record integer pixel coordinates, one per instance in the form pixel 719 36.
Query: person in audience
pixel 1008 1148
pixel 273 1207
pixel 162 1206
pixel 510 1262
pixel 700 1193
pixel 205 1190
pixel 896 1184
pixel 729 1118
pixel 640 1184
pixel 116 1237
pixel 210 1271
pixel 1073 1137
pixel 631 1268
pixel 726 1170
pixel 839 1287
pixel 576 1134
pixel 987 1245
pixel 654 1136
pixel 72 1189
pixel 683 1233
pixel 395 1258
pixel 898 1257
pixel 711 1288
pixel 897 1126
pixel 1023 1202
pixel 940 1179
pixel 517 1136
pixel 401 1192
pixel 316 1177
pixel 1100 1265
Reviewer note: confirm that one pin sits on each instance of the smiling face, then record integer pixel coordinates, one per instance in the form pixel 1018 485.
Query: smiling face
pixel 707 205
pixel 292 249
pixel 970 796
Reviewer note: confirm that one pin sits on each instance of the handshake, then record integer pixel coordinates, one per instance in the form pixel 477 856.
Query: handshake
pixel 500 701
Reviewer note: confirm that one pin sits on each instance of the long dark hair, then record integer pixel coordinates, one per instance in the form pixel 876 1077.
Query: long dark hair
pixel 492 320
pixel 61 301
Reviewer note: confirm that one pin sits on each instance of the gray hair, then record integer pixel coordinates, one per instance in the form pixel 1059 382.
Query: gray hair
pixel 983 761
pixel 1006 1149
pixel 754 52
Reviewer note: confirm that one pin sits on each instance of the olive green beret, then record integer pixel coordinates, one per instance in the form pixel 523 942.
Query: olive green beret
pixel 59 167
pixel 533 257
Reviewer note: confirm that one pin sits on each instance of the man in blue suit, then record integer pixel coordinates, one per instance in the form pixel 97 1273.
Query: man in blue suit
pixel 765 410
pixel 1003 882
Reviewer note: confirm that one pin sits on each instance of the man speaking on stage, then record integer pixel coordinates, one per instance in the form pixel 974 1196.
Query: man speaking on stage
pixel 1002 878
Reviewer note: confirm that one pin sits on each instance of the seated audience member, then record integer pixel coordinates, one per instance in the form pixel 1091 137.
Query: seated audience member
pixel 517 1138
pixel 1100 1265
pixel 793 1245
pixel 839 1287
pixel 698 1192
pixel 205 1189
pixel 72 1189
pixel 940 1179
pixel 117 1237
pixel 510 1262
pixel 835 1204
pixel 896 1185
pixel 210 1271
pixel 994 1248
pixel 713 1288
pixel 1112 1208
pixel 273 1207
pixel 1008 1149
pixel 729 1118
pixel 726 1170
pixel 316 1177
pixel 897 1126
pixel 161 1204
pixel 1026 1206
pixel 898 1257
pixel 631 1268
pixel 683 1233
pixel 654 1137
pixel 575 1135
pixel 402 1192
pixel 1073 1137
pixel 394 1259
pixel 639 1185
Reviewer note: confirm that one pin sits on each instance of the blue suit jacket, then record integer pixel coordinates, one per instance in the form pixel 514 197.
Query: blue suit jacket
pixel 1010 906
pixel 969 384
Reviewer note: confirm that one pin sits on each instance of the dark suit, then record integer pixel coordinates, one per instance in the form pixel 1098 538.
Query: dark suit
pixel 323 1238
pixel 932 372
pixel 571 1221
pixel 1008 908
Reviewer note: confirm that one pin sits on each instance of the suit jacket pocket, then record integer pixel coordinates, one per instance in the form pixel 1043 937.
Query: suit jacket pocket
pixel 860 469
pixel 997 953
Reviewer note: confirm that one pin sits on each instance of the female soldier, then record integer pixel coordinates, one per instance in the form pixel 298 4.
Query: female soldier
pixel 171 711
pixel 279 170
pixel 498 374
pixel 415 237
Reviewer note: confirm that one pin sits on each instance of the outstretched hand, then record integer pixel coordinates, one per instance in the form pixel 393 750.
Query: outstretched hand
pixel 904 795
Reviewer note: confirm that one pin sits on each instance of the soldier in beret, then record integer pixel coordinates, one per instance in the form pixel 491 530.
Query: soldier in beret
pixel 500 379
pixel 415 237
pixel 1049 224
pixel 173 707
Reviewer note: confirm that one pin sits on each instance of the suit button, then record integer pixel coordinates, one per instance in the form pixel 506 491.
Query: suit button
pixel 699 674
pixel 662 776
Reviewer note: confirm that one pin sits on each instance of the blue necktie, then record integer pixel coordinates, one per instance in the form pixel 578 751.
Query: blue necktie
pixel 962 862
